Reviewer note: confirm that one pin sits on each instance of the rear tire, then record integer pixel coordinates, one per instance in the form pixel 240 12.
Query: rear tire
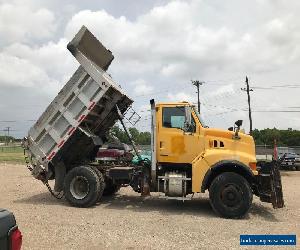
pixel 109 188
pixel 230 195
pixel 82 187
pixel 102 182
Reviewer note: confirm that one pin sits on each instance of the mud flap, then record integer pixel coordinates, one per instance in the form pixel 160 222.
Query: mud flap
pixel 269 184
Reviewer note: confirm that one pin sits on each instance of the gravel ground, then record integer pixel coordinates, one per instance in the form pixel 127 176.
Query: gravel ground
pixel 126 221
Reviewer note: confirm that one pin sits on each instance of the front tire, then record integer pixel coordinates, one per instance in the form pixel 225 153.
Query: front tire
pixel 82 187
pixel 230 195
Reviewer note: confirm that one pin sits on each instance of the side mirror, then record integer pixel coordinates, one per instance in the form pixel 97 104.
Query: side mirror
pixel 230 128
pixel 238 123
pixel 188 118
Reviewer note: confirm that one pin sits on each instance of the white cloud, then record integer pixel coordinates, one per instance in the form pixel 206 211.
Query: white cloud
pixel 172 38
pixel 53 58
pixel 44 68
pixel 18 72
pixel 181 97
pixel 11 72
pixel 226 89
pixel 19 22
pixel 171 43
pixel 141 87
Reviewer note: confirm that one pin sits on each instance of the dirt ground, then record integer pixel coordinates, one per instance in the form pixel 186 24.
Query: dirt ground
pixel 126 221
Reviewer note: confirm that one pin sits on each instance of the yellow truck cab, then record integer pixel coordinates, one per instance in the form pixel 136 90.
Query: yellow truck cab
pixel 188 157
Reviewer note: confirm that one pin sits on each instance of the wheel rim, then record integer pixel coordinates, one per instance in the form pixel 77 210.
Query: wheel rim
pixel 231 195
pixel 79 187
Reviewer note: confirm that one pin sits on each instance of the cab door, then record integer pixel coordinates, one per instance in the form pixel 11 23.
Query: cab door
pixel 174 144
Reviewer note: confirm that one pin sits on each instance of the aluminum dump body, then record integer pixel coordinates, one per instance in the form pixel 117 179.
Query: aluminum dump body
pixel 76 121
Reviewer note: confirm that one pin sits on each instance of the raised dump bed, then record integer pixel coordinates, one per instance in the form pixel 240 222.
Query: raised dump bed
pixel 76 121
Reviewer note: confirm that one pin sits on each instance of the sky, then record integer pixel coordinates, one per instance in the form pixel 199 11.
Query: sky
pixel 159 47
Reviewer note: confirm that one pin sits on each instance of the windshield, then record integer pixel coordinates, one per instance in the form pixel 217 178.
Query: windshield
pixel 200 118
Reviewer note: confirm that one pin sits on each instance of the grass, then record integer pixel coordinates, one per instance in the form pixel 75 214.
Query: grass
pixel 11 154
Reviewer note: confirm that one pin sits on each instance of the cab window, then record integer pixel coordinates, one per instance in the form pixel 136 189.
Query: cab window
pixel 173 117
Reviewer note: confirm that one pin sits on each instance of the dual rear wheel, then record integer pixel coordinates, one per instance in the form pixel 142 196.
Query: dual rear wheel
pixel 85 185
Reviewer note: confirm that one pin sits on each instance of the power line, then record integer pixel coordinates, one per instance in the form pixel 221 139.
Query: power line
pixel 277 111
pixel 158 92
pixel 220 106
pixel 18 121
pixel 281 86
pixel 276 87
pixel 233 109
pixel 272 87
pixel 217 82
pixel 262 111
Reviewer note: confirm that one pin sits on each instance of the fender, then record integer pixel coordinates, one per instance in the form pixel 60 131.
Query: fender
pixel 226 166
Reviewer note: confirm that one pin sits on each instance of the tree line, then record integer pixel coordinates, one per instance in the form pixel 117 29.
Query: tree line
pixel 118 134
pixel 283 137
pixel 4 138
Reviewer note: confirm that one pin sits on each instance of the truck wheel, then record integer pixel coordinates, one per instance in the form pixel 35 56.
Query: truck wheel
pixel 230 195
pixel 298 167
pixel 82 187
pixel 102 182
pixel 110 188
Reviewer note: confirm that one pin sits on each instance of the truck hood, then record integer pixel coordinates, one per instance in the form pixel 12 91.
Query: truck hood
pixel 224 133
pixel 225 139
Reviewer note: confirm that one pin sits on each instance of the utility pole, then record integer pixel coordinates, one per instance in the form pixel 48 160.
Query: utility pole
pixel 247 89
pixel 197 84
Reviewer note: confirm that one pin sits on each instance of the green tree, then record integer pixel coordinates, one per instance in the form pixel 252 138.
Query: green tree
pixel 145 138
pixel 283 137
pixel 5 138
pixel 135 134
pixel 118 134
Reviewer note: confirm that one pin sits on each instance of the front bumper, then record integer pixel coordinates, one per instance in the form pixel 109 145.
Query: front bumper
pixel 268 181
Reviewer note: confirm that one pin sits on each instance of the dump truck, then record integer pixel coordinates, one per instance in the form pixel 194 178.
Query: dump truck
pixel 187 156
